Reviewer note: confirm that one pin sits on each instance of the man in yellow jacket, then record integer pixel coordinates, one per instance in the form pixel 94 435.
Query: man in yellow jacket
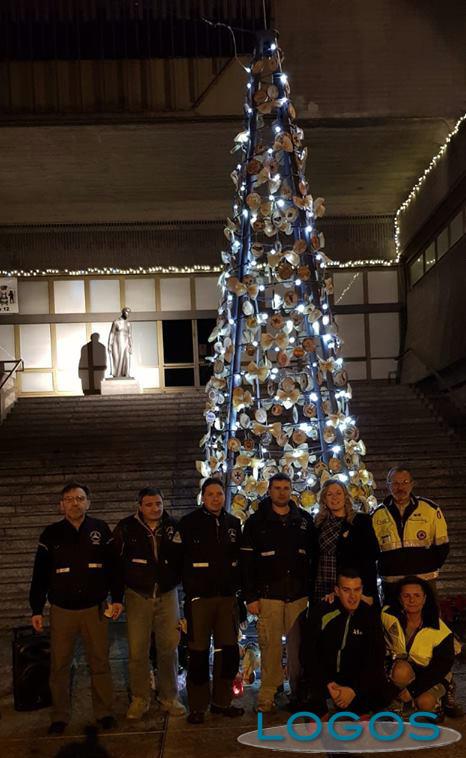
pixel 411 532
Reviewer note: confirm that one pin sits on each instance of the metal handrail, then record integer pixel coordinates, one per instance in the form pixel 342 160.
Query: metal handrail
pixel 443 384
pixel 18 365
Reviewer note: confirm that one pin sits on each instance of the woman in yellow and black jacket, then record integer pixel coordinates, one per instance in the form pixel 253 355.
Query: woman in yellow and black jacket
pixel 420 642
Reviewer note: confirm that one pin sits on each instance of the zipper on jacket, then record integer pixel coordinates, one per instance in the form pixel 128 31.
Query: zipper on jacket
pixel 343 644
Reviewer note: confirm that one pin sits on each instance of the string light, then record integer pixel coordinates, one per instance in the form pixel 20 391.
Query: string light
pixel 420 182
pixel 196 269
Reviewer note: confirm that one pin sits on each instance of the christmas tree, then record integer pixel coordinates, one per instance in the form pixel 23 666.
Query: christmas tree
pixel 278 396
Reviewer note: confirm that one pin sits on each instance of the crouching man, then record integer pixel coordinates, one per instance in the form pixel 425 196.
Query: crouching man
pixel 421 644
pixel 343 653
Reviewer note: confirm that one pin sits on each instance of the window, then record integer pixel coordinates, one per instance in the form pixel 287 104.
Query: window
pixel 178 341
pixel 442 243
pixel 429 256
pixel 456 228
pixel 416 269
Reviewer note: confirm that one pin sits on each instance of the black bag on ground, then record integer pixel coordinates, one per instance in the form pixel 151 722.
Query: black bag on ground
pixel 31 669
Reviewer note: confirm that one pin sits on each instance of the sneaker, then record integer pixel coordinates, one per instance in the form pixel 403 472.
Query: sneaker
pixel 195 717
pixel 57 727
pixel 228 710
pixel 266 707
pixel 137 709
pixel 173 707
pixel 107 722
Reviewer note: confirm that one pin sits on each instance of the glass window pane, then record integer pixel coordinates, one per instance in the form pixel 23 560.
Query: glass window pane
pixel 36 381
pixel 35 345
pixel 384 330
pixel 416 269
pixel 442 243
pixel 7 342
pixel 179 377
pixel 351 331
pixel 383 286
pixel 140 294
pixel 71 339
pixel 175 294
pixel 33 297
pixel 204 330
pixel 177 341
pixel 348 287
pixel 104 295
pixel 205 372
pixel 69 296
pixel 207 293
pixel 429 256
pixel 456 228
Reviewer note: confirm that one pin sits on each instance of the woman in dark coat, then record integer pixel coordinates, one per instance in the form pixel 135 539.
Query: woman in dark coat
pixel 346 540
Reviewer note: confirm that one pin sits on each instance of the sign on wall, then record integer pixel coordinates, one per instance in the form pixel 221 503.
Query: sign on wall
pixel 8 295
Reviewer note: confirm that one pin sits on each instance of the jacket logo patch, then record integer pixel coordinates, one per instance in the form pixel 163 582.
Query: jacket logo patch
pixel 232 535
pixel 358 632
pixel 170 531
pixel 96 537
pixel 63 570
pixel 421 535
pixel 177 538
pixel 303 524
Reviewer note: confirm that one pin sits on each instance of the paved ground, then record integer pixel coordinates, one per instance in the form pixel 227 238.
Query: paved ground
pixel 23 735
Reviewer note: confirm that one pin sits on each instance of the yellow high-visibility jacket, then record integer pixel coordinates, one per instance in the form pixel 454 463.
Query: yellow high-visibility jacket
pixel 415 544
pixel 431 653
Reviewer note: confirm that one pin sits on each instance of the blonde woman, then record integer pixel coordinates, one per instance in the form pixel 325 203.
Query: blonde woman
pixel 346 540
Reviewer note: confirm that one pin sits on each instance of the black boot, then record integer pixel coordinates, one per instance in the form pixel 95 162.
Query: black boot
pixel 452 708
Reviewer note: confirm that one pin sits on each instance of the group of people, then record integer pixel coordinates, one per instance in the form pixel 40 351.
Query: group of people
pixel 313 582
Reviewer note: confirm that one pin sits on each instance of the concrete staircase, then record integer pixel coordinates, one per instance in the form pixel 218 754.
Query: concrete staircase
pixel 118 445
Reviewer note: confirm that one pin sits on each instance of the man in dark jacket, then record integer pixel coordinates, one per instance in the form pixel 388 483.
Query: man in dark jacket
pixel 210 541
pixel 144 545
pixel 74 568
pixel 343 653
pixel 278 543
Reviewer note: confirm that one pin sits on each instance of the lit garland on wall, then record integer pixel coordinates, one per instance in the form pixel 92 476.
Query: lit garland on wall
pixel 417 187
pixel 278 396
pixel 197 269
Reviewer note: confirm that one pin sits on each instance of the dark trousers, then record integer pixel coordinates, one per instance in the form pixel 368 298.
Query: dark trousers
pixel 375 698
pixel 206 616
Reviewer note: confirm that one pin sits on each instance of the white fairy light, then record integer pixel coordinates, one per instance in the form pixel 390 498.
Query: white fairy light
pixel 283 78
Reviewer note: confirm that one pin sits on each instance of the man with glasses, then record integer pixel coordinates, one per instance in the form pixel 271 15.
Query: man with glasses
pixel 413 541
pixel 411 532
pixel 74 570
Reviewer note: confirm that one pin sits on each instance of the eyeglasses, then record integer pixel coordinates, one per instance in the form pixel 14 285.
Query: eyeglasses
pixel 403 481
pixel 76 499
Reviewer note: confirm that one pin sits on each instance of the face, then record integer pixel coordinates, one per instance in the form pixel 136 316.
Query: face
pixel 151 508
pixel 214 498
pixel 412 598
pixel 401 485
pixel 74 504
pixel 349 592
pixel 335 499
pixel 280 493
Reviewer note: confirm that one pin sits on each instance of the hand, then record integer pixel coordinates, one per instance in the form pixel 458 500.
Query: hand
pixel 330 598
pixel 37 622
pixel 117 610
pixel 254 608
pixel 345 697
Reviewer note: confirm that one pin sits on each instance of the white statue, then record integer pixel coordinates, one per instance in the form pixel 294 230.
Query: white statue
pixel 120 345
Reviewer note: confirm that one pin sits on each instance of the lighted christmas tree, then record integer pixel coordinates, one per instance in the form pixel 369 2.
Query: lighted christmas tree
pixel 278 396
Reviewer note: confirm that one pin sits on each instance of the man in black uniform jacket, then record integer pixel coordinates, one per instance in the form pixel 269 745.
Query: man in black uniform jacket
pixel 343 653
pixel 278 544
pixel 209 541
pixel 74 569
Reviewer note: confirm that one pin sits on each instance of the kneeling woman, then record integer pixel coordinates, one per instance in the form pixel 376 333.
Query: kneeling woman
pixel 421 644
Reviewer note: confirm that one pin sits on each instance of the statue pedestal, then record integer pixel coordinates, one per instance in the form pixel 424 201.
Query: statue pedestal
pixel 121 386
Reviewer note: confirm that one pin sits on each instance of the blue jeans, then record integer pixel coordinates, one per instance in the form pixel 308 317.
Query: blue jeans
pixel 159 615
